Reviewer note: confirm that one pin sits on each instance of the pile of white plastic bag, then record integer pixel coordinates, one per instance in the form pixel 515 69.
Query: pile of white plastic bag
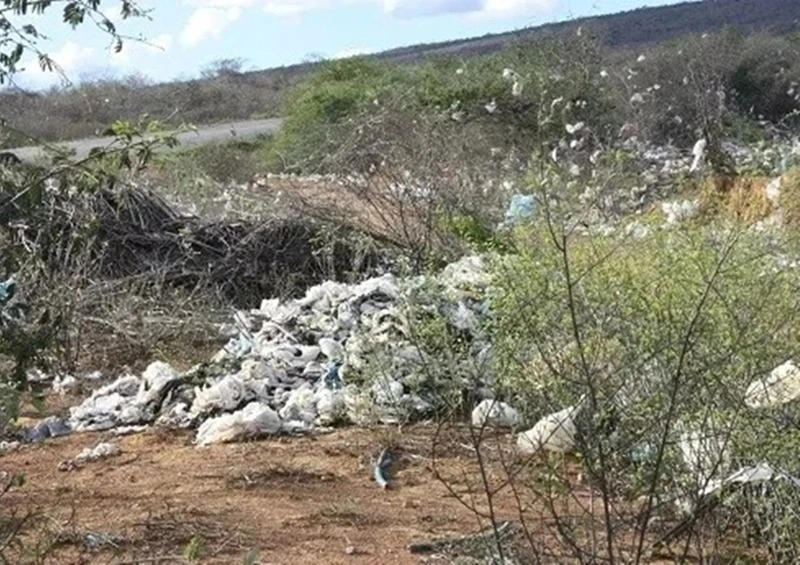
pixel 342 353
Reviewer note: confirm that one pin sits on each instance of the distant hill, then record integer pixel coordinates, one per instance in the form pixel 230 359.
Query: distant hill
pixel 235 95
pixel 624 29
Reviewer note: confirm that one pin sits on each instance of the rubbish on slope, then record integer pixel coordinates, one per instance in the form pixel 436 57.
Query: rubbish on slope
pixel 490 412
pixel 253 421
pixel 555 432
pixel 381 468
pixel 781 386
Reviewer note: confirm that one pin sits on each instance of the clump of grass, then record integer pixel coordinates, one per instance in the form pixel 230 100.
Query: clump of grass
pixel 790 197
pixel 741 197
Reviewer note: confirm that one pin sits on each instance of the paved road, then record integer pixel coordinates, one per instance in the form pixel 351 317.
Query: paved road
pixel 225 131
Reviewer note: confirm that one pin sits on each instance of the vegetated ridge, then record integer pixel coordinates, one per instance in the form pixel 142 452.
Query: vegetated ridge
pixel 226 92
pixel 622 29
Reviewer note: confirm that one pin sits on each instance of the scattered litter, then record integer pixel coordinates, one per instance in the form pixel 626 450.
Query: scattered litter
pixel 637 230
pixel 381 467
pixel 716 491
pixel 503 532
pixel 64 385
pixel 301 405
pixel 773 191
pixel 93 376
pixel 754 474
pixel 679 211
pixel 128 430
pixel 703 451
pixel 96 540
pixel 37 376
pixel 698 152
pixel 555 432
pixel 6 446
pixel 91 540
pixel 781 386
pixel 7 290
pixel 492 412
pixel 100 451
pixel 252 421
pixel 52 426
pixel 521 207
pixel 387 391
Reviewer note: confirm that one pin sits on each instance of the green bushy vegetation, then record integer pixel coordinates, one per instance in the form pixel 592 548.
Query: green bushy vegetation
pixel 638 301
pixel 658 336
pixel 343 94
pixel 725 82
pixel 321 104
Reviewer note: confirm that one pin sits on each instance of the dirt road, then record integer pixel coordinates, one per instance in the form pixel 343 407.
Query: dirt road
pixel 225 131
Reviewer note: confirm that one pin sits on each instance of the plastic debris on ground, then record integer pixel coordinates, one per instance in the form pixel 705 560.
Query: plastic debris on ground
pixel 8 289
pixel 64 385
pixel 291 366
pixel 781 386
pixel 699 153
pixel 252 421
pixel 491 412
pixel 100 451
pixel 555 432
pixel 89 454
pixel 703 451
pixel 6 446
pixel 381 468
pixel 752 474
pixel 520 207
pixel 50 427
pixel 679 211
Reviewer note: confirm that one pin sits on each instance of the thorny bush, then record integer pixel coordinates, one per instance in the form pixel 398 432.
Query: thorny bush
pixel 654 339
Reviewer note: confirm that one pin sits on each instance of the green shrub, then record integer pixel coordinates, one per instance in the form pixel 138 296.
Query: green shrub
pixel 231 161
pixel 22 344
pixel 765 81
pixel 664 333
pixel 314 110
pixel 560 84
pixel 475 232
pixel 592 312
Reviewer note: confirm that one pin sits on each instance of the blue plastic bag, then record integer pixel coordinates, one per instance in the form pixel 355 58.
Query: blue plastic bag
pixel 521 207
pixel 7 290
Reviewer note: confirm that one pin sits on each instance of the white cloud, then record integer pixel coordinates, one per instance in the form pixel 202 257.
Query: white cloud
pixel 518 7
pixel 208 22
pixel 134 51
pixel 351 52
pixel 284 8
pixel 114 13
pixel 419 8
pixel 69 58
pixel 396 8
pixel 422 8
pixel 210 18
pixel 280 8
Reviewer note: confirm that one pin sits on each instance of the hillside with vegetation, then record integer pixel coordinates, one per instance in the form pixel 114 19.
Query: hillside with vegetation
pixel 224 91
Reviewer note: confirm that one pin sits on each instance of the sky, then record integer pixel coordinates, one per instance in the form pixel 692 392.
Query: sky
pixel 180 38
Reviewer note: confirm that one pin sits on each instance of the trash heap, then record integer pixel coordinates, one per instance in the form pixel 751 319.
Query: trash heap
pixel 341 354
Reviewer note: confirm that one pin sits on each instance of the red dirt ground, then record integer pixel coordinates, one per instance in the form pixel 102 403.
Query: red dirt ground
pixel 295 500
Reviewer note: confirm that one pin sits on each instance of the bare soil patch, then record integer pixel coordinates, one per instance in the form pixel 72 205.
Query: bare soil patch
pixel 294 500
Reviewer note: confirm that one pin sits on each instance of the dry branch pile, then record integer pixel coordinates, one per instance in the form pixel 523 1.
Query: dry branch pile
pixel 131 231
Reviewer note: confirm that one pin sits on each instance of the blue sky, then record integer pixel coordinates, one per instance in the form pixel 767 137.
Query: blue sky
pixel 184 36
